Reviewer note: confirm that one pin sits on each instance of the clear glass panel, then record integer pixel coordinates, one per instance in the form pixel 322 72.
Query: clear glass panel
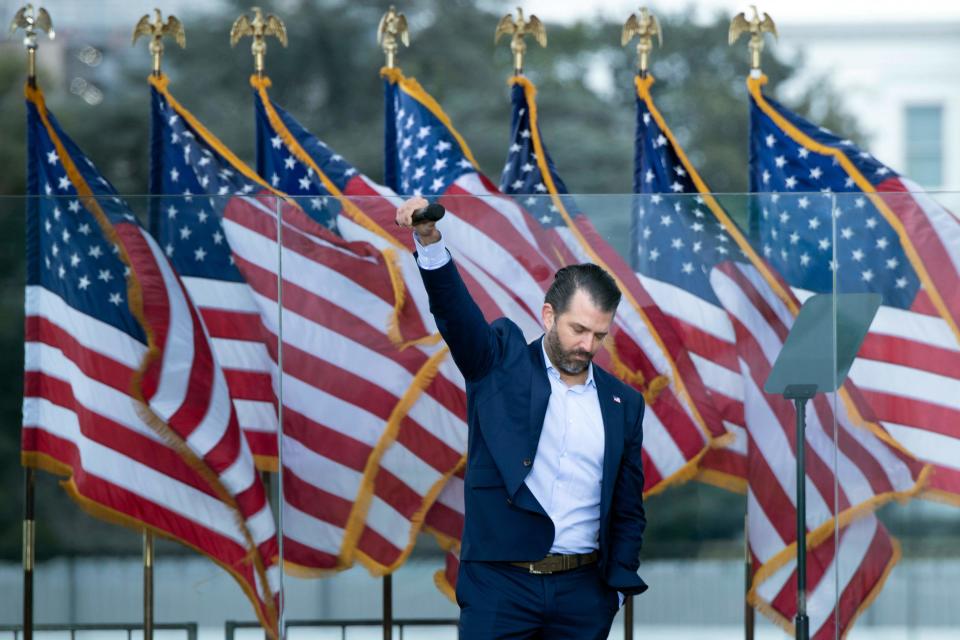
pixel 904 247
pixel 148 386
pixel 670 327
pixel 374 420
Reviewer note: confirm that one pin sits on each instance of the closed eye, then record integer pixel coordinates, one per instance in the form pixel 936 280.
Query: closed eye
pixel 580 329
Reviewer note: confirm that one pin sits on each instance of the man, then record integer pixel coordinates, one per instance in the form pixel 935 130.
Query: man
pixel 553 492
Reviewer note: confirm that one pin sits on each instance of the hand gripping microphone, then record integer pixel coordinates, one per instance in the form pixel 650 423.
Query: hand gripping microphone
pixel 431 213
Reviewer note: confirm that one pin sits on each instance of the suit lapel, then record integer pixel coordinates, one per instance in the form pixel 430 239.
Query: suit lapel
pixel 520 442
pixel 539 398
pixel 612 411
pixel 539 393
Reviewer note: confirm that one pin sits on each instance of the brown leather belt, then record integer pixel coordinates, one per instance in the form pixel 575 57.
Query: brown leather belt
pixel 555 562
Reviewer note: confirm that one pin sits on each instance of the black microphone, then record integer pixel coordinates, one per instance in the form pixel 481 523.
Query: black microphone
pixel 431 212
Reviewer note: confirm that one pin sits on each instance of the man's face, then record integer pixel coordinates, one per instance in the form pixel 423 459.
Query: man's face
pixel 574 337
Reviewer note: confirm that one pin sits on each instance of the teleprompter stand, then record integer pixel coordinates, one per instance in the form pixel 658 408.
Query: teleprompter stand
pixel 815 358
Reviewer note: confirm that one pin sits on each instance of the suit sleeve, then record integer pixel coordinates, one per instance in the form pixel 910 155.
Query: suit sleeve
pixel 472 342
pixel 628 519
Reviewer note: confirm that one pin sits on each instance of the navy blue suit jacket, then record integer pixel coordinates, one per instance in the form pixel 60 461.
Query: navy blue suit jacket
pixel 507 395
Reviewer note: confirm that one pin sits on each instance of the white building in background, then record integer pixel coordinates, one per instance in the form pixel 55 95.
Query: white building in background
pixel 900 81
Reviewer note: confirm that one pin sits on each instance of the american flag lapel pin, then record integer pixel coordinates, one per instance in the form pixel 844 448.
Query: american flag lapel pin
pixel 616 399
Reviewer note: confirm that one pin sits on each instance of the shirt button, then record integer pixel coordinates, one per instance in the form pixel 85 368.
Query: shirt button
pixel 527 462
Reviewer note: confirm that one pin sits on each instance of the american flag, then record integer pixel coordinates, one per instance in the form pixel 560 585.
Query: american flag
pixel 734 313
pixel 122 394
pixel 424 438
pixel 675 435
pixel 890 238
pixel 190 191
pixel 518 242
pixel 347 390
pixel 364 210
pixel 679 233
pixel 489 236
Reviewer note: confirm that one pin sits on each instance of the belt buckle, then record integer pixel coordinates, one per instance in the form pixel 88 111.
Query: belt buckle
pixel 534 571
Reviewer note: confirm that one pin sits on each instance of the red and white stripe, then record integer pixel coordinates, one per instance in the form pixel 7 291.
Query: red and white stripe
pixel 343 382
pixel 144 431
pixel 868 470
pixel 78 411
pixel 908 369
pixel 934 234
pixel 707 333
pixel 184 385
pixel 185 388
pixel 237 338
pixel 490 230
pixel 352 490
pixel 445 521
pixel 866 555
pixel 734 353
pixel 867 551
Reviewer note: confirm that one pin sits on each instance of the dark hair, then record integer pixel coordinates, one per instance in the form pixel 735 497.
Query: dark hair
pixel 595 282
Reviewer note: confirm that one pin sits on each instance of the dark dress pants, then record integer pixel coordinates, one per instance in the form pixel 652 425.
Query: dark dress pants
pixel 500 601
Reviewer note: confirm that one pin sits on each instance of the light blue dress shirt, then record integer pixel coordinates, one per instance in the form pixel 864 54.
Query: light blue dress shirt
pixel 568 467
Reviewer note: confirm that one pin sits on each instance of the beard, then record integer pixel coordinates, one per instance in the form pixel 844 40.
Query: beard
pixel 572 362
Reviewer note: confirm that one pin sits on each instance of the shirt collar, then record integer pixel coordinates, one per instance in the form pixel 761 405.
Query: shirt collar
pixel 552 370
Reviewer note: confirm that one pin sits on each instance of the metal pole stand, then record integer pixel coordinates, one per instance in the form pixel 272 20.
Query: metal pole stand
pixel 816 357
pixel 29 539
pixel 628 618
pixel 388 607
pixel 800 394
pixel 147 585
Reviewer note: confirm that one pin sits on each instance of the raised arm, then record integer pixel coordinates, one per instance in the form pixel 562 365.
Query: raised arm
pixel 472 342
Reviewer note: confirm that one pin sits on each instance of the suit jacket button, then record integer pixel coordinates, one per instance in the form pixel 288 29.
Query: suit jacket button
pixel 509 501
pixel 527 462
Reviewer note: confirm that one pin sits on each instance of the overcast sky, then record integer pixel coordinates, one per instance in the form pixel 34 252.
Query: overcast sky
pixel 782 11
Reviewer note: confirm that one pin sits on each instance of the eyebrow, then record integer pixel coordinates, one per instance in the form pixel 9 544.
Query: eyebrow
pixel 578 326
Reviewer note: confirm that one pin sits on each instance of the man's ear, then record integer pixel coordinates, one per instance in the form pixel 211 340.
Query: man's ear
pixel 548 316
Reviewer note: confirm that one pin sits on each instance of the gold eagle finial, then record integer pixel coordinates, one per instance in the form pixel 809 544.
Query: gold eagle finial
pixel 756 28
pixel 646 27
pixel 31 22
pixel 156 30
pixel 258 28
pixel 392 27
pixel 518 28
